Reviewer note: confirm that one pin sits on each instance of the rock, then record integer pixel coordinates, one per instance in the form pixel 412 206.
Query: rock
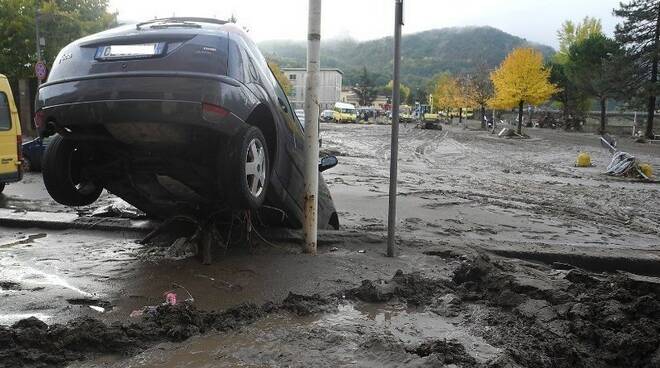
pixel 448 305
pixel 374 291
pixel 537 309
pixel 580 277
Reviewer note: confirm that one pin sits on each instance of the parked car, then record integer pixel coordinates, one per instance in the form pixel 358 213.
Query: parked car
pixel 10 137
pixel 33 153
pixel 326 115
pixel 300 113
pixel 175 115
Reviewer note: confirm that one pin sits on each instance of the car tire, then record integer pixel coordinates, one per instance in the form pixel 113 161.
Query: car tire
pixel 62 175
pixel 246 169
pixel 2 187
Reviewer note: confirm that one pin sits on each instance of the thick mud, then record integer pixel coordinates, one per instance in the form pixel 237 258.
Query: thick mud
pixel 580 320
pixel 32 343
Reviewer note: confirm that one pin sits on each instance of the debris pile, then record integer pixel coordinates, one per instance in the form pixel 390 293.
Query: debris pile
pixel 625 164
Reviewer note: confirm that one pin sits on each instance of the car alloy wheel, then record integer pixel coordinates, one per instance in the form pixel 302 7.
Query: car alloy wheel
pixel 255 167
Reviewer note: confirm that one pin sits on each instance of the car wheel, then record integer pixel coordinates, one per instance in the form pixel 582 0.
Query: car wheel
pixel 63 175
pixel 247 169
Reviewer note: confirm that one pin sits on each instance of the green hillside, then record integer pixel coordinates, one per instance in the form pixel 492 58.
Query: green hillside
pixel 424 54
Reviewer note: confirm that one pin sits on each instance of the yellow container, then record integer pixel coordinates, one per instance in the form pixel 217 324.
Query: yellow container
pixel 583 160
pixel 647 169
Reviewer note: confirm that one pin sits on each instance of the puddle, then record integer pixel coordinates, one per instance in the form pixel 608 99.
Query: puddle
pixel 24 240
pixel 29 276
pixel 11 318
pixel 363 335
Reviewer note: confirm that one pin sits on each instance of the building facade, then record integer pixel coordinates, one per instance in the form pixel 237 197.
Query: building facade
pixel 329 92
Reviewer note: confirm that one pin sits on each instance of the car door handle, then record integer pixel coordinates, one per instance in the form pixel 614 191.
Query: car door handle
pixel 282 105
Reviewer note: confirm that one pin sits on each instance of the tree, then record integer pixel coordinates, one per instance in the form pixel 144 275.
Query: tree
pixel 280 76
pixel 60 21
pixel 479 89
pixel 590 67
pixel 403 91
pixel 447 93
pixel 365 89
pixel 520 79
pixel 640 36
pixel 573 100
pixel 571 33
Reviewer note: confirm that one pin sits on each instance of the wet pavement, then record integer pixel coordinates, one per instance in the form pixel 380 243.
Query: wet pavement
pixel 461 192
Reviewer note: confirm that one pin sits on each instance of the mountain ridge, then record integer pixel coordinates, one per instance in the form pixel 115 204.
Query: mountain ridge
pixel 456 50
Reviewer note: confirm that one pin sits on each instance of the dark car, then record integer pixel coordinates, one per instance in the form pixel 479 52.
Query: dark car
pixel 33 153
pixel 176 115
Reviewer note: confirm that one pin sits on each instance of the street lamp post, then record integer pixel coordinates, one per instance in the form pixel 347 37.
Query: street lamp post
pixel 394 156
pixel 312 84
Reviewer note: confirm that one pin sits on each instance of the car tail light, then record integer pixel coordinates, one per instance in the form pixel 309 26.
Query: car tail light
pixel 39 119
pixel 215 110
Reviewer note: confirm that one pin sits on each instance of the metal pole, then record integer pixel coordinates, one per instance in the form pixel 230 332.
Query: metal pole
pixel 394 156
pixel 312 82
pixel 38 38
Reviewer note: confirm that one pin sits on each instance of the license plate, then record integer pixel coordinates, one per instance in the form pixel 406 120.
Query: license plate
pixel 144 50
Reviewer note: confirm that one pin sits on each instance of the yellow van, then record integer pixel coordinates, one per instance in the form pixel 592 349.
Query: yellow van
pixel 344 113
pixel 10 137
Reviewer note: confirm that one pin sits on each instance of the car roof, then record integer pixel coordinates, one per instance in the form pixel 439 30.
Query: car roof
pixel 343 105
pixel 198 26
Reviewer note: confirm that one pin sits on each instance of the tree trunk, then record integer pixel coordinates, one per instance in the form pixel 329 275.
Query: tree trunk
pixel 483 117
pixel 520 116
pixel 654 80
pixel 460 115
pixel 603 114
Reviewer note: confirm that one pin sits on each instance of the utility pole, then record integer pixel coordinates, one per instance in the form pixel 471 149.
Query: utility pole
pixel 312 83
pixel 394 156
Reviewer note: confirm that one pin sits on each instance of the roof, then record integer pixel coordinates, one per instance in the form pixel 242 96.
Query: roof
pixel 305 69
pixel 343 105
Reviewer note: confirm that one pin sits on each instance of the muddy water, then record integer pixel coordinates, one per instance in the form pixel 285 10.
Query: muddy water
pixel 356 335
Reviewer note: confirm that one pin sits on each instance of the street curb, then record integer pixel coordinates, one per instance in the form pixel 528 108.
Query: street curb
pixel 641 263
pixel 67 221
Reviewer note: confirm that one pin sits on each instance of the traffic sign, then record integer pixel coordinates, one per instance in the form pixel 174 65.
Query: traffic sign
pixel 41 70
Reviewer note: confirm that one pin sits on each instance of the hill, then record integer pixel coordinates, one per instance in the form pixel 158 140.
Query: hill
pixel 424 54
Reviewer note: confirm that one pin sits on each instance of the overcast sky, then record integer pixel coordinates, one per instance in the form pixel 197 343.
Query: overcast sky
pixel 535 20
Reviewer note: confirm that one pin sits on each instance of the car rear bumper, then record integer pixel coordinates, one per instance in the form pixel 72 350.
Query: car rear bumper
pixel 142 98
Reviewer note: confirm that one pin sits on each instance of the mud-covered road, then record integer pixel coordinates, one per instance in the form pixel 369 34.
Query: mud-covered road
pixel 508 256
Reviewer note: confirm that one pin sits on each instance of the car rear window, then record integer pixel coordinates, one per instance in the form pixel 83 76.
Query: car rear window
pixel 5 114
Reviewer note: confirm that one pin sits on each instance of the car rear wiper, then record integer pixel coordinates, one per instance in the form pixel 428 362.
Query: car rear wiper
pixel 179 22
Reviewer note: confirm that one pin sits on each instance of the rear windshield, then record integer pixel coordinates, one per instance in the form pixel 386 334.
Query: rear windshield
pixel 5 114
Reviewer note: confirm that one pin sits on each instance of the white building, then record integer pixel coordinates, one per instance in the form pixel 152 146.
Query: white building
pixel 329 93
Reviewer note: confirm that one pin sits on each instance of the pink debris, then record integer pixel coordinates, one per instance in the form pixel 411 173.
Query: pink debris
pixel 170 298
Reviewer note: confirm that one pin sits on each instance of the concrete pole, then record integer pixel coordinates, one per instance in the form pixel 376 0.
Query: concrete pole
pixel 312 83
pixel 394 156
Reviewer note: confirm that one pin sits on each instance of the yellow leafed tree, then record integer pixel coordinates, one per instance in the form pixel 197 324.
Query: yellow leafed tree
pixel 520 79
pixel 447 93
pixel 279 75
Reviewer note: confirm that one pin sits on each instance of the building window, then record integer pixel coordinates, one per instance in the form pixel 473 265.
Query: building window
pixel 292 77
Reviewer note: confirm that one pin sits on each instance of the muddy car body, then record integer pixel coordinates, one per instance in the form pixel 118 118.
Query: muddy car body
pixel 174 115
